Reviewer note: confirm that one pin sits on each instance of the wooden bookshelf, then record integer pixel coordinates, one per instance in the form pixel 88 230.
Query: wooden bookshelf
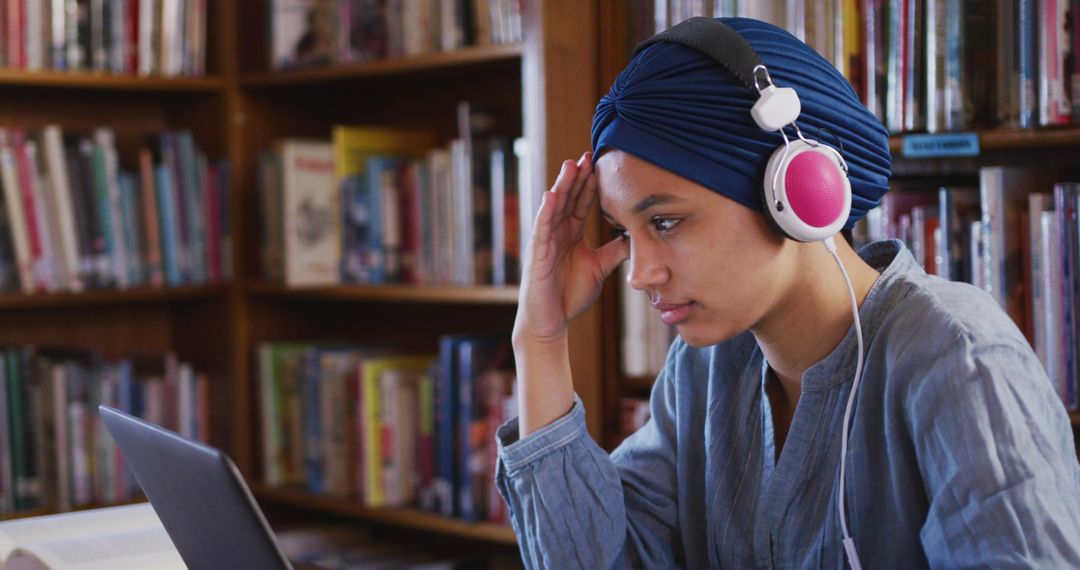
pixel 109 297
pixel 471 56
pixel 1011 138
pixel 1075 417
pixel 411 518
pixel 105 82
pixel 486 295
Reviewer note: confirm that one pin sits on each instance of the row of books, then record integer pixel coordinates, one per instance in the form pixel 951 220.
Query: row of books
pixel 130 37
pixel 54 449
pixel 378 205
pixel 387 429
pixel 925 65
pixel 71 219
pixel 1016 236
pixel 305 33
pixel 831 27
pixel 939 65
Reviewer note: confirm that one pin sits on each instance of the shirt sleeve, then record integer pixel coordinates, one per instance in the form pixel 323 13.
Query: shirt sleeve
pixel 997 457
pixel 574 506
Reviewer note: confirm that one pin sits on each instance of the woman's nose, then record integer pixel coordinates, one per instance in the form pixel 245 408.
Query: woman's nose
pixel 646 268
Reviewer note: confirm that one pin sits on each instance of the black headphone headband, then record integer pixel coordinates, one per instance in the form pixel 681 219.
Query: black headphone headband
pixel 716 40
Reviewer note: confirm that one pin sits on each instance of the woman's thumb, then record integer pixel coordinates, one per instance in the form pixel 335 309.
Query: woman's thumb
pixel 612 253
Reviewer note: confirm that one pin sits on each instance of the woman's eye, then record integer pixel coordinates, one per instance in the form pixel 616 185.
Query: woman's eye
pixel 664 224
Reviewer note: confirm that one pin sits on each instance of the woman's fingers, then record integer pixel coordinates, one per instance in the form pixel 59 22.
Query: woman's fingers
pixel 585 199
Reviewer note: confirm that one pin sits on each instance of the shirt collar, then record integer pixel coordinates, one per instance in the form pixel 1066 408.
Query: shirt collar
pixel 895 263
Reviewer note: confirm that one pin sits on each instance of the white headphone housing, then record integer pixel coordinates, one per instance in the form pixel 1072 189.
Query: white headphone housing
pixel 779 203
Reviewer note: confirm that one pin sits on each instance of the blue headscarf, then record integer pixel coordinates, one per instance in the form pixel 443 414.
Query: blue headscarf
pixel 678 109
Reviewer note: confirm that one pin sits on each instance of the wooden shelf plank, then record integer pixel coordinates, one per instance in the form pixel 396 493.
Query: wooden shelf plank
pixel 1010 138
pixel 385 67
pixel 1075 417
pixel 410 518
pixel 109 297
pixel 487 295
pixel 102 81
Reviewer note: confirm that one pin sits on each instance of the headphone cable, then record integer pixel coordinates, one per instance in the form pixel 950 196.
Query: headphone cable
pixel 849 543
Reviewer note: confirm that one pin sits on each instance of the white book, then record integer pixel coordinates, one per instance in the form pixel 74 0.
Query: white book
pixel 1052 306
pixel 1037 204
pixel 115 538
pixel 462 212
pixel 33 44
pixel 312 212
pixel 59 187
pixel 529 196
pixel 171 53
pixel 56 49
pixel 149 25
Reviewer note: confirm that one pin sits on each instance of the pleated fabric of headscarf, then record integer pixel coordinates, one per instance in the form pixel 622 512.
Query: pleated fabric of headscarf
pixel 678 109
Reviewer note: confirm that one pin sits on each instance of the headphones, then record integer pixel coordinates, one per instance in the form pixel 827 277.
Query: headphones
pixel 805 190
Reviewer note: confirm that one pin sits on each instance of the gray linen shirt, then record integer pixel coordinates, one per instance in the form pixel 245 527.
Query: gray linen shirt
pixel 961 454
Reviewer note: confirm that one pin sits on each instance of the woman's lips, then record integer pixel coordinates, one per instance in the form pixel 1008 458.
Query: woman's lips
pixel 673 314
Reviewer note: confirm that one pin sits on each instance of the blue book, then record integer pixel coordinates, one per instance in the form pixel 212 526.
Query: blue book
pixel 1028 55
pixel 167 218
pixel 475 355
pixel 170 159
pixel 194 196
pixel 311 419
pixel 378 169
pixel 445 390
pixel 355 234
pixel 129 192
pixel 104 208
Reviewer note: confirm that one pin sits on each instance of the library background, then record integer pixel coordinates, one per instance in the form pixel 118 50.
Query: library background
pixel 293 228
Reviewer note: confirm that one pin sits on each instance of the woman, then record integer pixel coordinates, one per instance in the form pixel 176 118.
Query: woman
pixel 960 454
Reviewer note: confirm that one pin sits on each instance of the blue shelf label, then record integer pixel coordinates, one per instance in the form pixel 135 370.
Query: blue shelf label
pixel 939 145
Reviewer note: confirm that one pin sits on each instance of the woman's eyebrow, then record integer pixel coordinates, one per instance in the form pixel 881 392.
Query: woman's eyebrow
pixel 653 200
pixel 645 203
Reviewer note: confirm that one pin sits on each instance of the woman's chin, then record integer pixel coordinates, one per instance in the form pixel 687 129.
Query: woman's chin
pixel 700 337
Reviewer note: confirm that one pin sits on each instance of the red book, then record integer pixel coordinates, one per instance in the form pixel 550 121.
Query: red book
pixel 131 38
pixel 409 213
pixel 26 189
pixel 150 211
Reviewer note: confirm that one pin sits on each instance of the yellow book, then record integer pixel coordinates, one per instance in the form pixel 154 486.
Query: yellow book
pixel 360 226
pixel 371 371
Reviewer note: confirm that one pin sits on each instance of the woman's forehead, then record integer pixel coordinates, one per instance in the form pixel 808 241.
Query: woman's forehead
pixel 628 183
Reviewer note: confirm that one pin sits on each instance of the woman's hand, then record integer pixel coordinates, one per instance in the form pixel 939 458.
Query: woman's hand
pixel 562 274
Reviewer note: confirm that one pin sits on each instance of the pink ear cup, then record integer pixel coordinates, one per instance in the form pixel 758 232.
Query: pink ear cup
pixel 814 185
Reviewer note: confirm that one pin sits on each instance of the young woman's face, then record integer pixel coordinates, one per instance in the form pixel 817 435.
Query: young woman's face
pixel 708 264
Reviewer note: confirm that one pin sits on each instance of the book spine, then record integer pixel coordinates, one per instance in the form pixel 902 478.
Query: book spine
pixel 151 216
pixel 34 230
pixel 163 186
pixel 60 188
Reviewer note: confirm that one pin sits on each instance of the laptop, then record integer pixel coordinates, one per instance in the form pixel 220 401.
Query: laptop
pixel 199 495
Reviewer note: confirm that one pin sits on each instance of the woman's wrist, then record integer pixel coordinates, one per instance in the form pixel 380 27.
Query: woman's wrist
pixel 545 384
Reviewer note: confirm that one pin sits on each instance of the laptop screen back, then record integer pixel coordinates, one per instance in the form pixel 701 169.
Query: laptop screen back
pixel 199 496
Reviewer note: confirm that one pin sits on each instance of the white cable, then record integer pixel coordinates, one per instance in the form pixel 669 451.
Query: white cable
pixel 849 543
